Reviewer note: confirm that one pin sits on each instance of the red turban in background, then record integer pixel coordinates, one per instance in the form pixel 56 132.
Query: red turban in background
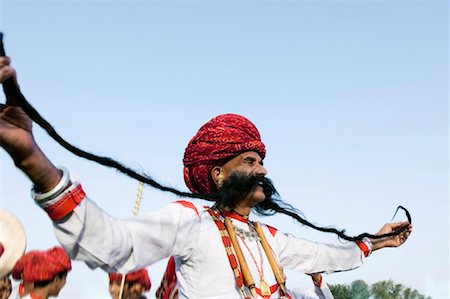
pixel 42 265
pixel 219 140
pixel 139 276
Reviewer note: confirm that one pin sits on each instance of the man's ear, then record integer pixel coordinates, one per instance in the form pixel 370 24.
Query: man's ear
pixel 56 279
pixel 217 174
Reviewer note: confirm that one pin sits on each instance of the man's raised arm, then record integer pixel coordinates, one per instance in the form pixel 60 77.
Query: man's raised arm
pixel 16 138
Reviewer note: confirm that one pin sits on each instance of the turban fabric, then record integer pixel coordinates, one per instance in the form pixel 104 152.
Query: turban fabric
pixel 219 140
pixel 37 266
pixel 140 276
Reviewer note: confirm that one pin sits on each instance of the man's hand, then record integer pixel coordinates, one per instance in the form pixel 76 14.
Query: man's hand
pixel 15 126
pixel 17 139
pixel 393 241
pixel 6 71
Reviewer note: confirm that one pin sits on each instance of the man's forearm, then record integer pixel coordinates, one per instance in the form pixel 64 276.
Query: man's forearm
pixel 40 170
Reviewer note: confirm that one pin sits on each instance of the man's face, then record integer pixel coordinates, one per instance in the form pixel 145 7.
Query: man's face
pixel 249 163
pixel 130 290
pixel 135 291
pixel 114 289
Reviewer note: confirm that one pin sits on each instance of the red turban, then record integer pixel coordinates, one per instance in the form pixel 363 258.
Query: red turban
pixel 140 276
pixel 222 138
pixel 42 265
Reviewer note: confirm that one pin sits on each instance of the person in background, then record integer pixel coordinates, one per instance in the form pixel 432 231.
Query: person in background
pixel 136 284
pixel 42 273
pixel 168 288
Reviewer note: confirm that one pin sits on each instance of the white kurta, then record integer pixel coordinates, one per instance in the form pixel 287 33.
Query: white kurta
pixel 187 231
pixel 322 292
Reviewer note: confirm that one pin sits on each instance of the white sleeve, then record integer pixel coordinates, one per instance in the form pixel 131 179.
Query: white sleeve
pixel 91 235
pixel 312 257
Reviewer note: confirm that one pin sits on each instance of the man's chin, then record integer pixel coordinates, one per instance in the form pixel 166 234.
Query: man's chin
pixel 260 194
pixel 258 197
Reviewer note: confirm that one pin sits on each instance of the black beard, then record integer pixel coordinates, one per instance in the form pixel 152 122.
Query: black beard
pixel 239 185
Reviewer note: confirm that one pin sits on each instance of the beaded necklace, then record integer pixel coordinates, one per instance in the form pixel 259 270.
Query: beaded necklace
pixel 264 287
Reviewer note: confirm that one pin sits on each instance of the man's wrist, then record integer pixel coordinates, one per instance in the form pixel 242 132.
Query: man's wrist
pixel 62 199
pixel 376 244
pixel 63 183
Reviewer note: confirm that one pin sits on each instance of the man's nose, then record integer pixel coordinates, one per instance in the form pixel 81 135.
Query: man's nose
pixel 262 171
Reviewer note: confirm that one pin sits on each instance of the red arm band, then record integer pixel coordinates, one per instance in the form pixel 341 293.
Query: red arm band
pixel 66 204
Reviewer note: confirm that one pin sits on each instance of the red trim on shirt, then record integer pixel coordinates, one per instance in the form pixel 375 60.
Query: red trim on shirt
pixel 273 289
pixel 234 216
pixel 67 204
pixel 188 204
pixel 363 247
pixel 272 230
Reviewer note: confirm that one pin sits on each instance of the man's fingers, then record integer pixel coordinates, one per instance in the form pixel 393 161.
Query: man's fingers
pixel 4 60
pixel 399 223
pixel 396 225
pixel 6 72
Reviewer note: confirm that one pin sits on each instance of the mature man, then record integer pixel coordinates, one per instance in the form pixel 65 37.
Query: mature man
pixel 42 273
pixel 218 251
pixel 135 285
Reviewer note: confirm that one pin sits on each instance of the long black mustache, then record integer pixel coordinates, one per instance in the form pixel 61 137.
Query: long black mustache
pixel 240 185
pixel 226 196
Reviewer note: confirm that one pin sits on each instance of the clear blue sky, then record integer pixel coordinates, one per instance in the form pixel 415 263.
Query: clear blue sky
pixel 351 99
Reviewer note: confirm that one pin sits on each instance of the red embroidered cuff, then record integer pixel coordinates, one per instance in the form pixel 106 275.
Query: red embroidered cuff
pixel 364 248
pixel 65 205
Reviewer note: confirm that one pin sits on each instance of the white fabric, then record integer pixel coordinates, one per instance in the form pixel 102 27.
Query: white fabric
pixel 322 292
pixel 24 297
pixel 15 293
pixel 13 240
pixel 203 269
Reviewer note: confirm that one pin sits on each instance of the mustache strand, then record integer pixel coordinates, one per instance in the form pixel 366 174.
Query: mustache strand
pixel 240 185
